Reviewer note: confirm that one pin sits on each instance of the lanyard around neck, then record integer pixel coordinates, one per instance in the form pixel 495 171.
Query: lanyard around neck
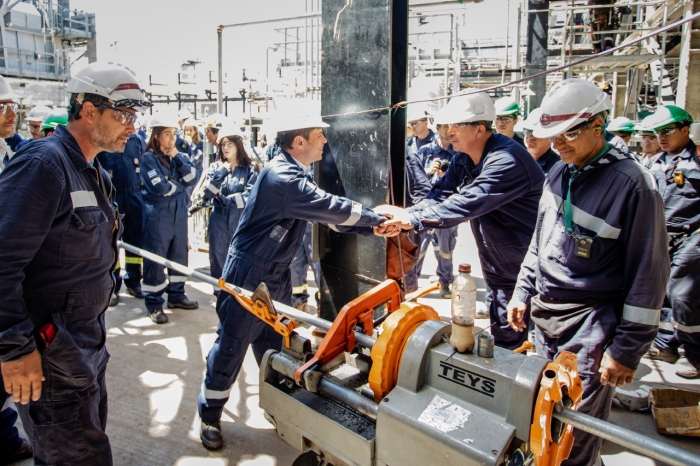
pixel 568 209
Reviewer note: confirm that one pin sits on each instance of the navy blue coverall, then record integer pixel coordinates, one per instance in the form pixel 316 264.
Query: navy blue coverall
pixel 417 188
pixel 681 197
pixel 230 190
pixel 609 301
pixel 57 252
pixel 274 220
pixel 124 170
pixel 548 160
pixel 444 240
pixel 164 181
pixel 499 198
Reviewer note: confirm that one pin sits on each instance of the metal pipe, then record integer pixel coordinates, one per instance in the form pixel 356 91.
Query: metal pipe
pixel 220 84
pixel 637 442
pixel 287 366
pixel 362 339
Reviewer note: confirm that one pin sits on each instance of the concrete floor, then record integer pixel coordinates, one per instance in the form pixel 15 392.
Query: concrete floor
pixel 156 371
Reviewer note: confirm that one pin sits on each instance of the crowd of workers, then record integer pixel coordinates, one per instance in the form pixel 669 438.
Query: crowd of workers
pixel 581 241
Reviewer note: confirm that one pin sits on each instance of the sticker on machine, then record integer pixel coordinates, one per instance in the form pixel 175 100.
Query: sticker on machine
pixel 444 415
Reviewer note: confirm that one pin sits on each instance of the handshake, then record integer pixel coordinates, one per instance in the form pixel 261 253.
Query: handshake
pixel 397 220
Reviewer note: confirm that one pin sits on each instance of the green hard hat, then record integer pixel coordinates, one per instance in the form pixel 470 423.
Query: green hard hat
pixel 56 117
pixel 667 115
pixel 621 125
pixel 506 106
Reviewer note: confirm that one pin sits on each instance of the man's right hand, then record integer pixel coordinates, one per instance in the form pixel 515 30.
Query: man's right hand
pixel 516 313
pixel 23 378
pixel 396 216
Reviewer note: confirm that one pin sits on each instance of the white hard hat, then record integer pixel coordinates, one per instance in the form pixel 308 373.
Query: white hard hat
pixel 215 119
pixel 190 122
pixel 467 109
pixel 694 132
pixel 164 120
pixel 532 119
pixel 229 129
pixel 113 81
pixel 184 114
pixel 6 92
pixel 291 121
pixel 621 125
pixel 417 112
pixel 570 103
pixel 38 113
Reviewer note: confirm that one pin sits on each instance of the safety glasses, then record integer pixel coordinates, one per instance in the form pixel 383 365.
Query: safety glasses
pixel 125 118
pixel 573 134
pixel 664 133
pixel 505 119
pixel 414 123
pixel 6 106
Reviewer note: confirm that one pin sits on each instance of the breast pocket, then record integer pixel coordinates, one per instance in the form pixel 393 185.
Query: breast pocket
pixel 82 239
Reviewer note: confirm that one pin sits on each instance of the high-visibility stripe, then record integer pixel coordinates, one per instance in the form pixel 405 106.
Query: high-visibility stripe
pixel 355 215
pixel 641 315
pixel 173 188
pixel 686 328
pixel 213 188
pixel 215 394
pixel 300 289
pixel 446 255
pixel 333 227
pixel 582 218
pixel 83 199
pixel 239 200
pixel 189 177
pixel 133 260
pixel 177 278
pixel 153 288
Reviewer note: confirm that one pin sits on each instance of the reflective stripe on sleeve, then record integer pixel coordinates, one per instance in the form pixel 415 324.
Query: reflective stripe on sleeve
pixel 83 199
pixel 641 315
pixel 189 177
pixel 133 260
pixel 686 328
pixel 333 227
pixel 239 200
pixel 153 288
pixel 215 394
pixel 355 215
pixel 177 278
pixel 212 188
pixel 173 188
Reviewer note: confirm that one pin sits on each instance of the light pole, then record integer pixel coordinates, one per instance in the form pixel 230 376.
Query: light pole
pixel 267 74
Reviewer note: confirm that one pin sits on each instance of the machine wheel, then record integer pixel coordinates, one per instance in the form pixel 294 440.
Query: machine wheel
pixel 310 458
pixel 387 351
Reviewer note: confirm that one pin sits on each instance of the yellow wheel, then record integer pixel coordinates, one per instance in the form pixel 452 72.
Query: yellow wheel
pixel 387 351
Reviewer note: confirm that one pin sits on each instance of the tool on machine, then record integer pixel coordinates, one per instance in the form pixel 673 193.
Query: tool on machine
pixel 405 401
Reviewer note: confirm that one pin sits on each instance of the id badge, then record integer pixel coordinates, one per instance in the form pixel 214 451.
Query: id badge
pixel 679 178
pixel 583 246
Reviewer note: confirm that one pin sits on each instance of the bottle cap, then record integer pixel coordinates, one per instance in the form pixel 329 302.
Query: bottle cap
pixel 465 268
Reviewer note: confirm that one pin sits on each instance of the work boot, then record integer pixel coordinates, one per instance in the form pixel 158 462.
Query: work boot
pixel 184 304
pixel 135 292
pixel 658 354
pixel 23 451
pixel 692 373
pixel 114 300
pixel 210 434
pixel 445 292
pixel 158 316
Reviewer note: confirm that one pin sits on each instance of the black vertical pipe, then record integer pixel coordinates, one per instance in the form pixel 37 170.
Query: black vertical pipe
pixel 399 89
pixel 536 60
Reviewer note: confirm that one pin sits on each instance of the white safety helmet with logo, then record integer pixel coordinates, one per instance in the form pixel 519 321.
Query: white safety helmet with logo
pixel 228 130
pixel 6 92
pixel 112 81
pixel 467 109
pixel 164 120
pixel 532 119
pixel 37 114
pixel 568 104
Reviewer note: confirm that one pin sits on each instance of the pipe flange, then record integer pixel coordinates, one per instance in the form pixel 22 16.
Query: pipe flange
pixel 387 351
